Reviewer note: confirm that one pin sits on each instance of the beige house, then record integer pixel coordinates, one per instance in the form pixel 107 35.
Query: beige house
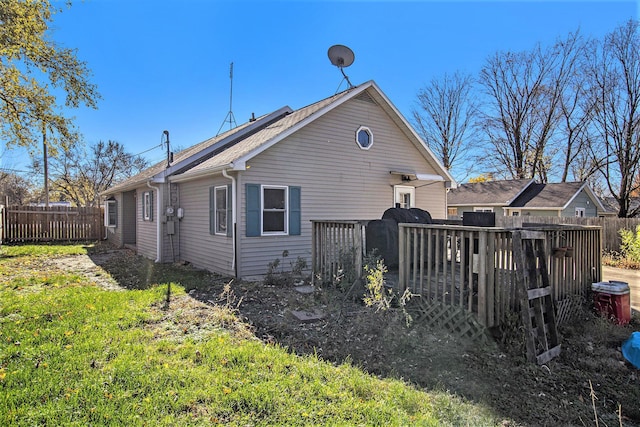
pixel 233 203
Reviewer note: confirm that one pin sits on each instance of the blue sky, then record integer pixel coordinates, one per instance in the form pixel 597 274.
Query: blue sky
pixel 163 64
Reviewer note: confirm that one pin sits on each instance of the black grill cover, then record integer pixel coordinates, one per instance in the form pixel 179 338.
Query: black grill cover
pixel 382 235
pixel 412 215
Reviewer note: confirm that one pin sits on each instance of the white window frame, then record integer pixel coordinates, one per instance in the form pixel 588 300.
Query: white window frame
pixel 516 212
pixel 483 209
pixel 146 206
pixel 108 205
pixel 221 226
pixel 284 211
pixel 399 191
pixel 580 212
pixel 368 131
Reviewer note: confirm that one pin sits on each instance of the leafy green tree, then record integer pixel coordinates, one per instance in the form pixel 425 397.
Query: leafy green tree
pixel 33 70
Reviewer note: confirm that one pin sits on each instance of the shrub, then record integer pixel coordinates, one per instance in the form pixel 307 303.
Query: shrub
pixel 630 246
pixel 276 275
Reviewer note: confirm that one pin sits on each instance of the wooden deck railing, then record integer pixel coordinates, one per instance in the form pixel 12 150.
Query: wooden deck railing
pixel 474 268
pixel 335 245
pixel 469 267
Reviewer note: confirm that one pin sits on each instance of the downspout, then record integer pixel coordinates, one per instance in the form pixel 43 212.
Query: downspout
pixel 158 227
pixel 233 218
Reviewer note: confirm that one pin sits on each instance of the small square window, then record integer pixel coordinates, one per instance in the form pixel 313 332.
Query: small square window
pixel 364 137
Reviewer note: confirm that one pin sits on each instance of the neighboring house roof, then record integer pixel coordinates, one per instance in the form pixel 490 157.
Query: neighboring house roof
pixel 520 194
pixel 231 150
pixel 613 207
pixel 488 193
pixel 553 196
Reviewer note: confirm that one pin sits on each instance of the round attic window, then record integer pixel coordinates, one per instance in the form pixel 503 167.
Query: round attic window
pixel 364 137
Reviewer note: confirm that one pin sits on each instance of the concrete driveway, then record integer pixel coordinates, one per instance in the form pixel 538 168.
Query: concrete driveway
pixel 632 277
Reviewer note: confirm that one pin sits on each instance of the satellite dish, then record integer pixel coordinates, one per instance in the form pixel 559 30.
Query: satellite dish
pixel 341 56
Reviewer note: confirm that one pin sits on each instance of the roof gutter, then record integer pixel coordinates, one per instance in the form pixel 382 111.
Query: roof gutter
pixel 158 228
pixel 190 176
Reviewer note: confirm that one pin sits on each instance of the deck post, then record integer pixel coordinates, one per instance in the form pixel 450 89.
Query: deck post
pixel 359 235
pixel 402 260
pixel 314 253
pixel 482 277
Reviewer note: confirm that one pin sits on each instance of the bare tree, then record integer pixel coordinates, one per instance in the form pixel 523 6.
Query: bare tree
pixel 524 91
pixel 444 116
pixel 16 188
pixel 79 176
pixel 614 83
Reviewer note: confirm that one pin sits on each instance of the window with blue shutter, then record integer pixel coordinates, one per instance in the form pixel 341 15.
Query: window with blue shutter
pixel 273 210
pixel 295 214
pixel 229 211
pixel 253 225
pixel 212 210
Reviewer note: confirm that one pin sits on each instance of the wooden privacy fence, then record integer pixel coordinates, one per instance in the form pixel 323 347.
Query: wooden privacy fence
pixel 610 225
pixel 55 223
pixel 473 267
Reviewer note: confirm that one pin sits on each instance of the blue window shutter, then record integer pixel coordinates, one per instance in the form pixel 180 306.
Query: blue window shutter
pixel 229 211
pixel 295 213
pixel 253 210
pixel 212 210
pixel 150 205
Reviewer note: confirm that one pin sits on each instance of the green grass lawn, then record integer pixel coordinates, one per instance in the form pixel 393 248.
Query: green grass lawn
pixel 72 353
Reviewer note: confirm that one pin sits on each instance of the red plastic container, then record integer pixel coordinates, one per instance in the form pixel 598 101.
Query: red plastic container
pixel 612 300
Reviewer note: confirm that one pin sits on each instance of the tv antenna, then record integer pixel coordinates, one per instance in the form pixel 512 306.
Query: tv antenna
pixel 341 56
pixel 230 118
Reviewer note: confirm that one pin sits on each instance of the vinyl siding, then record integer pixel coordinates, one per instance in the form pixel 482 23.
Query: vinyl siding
pixel 128 217
pixel 582 200
pixel 338 180
pixel 203 250
pixel 146 231
pixel 498 210
pixel 114 234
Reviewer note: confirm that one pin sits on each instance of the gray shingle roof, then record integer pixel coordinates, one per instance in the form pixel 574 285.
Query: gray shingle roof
pixel 488 193
pixel 238 145
pixel 551 195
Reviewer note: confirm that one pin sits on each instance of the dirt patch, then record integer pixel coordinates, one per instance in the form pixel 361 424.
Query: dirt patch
pixel 90 267
pixel 382 343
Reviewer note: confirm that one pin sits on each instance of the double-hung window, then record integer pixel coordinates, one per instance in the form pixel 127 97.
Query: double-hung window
pixel 110 213
pixel 220 215
pixel 272 210
pixel 221 204
pixel 147 206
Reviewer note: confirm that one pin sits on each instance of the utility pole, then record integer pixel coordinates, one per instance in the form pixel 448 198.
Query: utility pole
pixel 46 166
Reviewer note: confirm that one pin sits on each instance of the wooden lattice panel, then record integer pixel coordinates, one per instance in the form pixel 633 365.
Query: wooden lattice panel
pixel 568 309
pixel 455 320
